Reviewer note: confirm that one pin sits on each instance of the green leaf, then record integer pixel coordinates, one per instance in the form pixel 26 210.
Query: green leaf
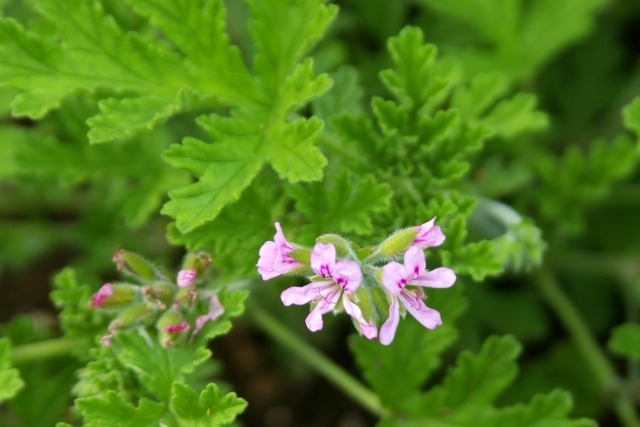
pixel 345 96
pixel 344 205
pixel 77 320
pixel 477 259
pixel 10 381
pixel 210 409
pixel 631 114
pixel 262 132
pixel 625 341
pixel 412 81
pixel 158 367
pixel 516 115
pixel 111 409
pixel 396 372
pixel 121 117
pixel 475 381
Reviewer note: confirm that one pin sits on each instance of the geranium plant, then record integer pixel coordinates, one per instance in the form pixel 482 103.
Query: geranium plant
pixel 453 187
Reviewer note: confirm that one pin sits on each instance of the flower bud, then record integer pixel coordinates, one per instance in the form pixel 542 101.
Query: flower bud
pixel 171 327
pixel 342 245
pixel 134 264
pixel 185 296
pixel 398 242
pixel 111 297
pixel 197 262
pixel 137 314
pixel 186 278
pixel 160 291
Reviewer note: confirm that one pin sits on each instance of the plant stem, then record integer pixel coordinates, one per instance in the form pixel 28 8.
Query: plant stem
pixel 42 350
pixel 319 362
pixel 588 346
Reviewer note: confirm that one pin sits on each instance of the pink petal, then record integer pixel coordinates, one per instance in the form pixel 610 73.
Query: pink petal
pixel 367 329
pixel 414 261
pixel 314 319
pixel 323 259
pixel 388 329
pixel 429 235
pixel 439 278
pixel 394 277
pixel 279 238
pixel 106 291
pixel 313 291
pixel 428 317
pixel 348 275
pixel 185 278
pixel 215 311
pixel 268 253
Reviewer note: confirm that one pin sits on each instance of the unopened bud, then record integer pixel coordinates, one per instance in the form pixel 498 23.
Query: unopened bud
pixel 134 264
pixel 197 262
pixel 137 314
pixel 301 255
pixel 185 296
pixel 111 297
pixel 342 245
pixel 398 242
pixel 171 327
pixel 160 291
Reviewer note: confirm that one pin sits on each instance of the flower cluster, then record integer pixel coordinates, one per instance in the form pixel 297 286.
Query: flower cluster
pixel 344 278
pixel 171 305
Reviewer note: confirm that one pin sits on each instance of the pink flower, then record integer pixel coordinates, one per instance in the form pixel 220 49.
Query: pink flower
pixel 340 278
pixel 274 256
pixel 396 277
pixel 428 235
pixel 106 291
pixel 186 278
pixel 215 311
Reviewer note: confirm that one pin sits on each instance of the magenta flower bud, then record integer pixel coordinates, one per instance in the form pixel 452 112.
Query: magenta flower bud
pixel 114 296
pixel 186 278
pixel 174 329
pixel 106 291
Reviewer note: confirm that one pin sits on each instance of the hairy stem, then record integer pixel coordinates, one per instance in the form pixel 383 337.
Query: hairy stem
pixel 319 362
pixel 42 350
pixel 588 346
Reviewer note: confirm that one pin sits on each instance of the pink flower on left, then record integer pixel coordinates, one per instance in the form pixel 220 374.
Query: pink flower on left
pixel 274 256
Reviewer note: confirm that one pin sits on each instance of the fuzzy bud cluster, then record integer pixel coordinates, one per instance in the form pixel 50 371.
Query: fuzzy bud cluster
pixel 167 304
pixel 366 283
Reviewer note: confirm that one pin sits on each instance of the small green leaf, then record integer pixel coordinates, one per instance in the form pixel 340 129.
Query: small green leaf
pixel 625 341
pixel 158 367
pixel 631 114
pixel 10 381
pixel 210 409
pixel 121 117
pixel 111 409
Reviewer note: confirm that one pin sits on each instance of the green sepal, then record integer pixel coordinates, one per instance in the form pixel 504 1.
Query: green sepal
pixel 365 301
pixel 186 296
pixel 301 255
pixel 134 264
pixel 380 300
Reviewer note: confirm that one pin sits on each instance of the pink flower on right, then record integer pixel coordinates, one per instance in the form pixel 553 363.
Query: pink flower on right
pixel 397 278
pixel 429 235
